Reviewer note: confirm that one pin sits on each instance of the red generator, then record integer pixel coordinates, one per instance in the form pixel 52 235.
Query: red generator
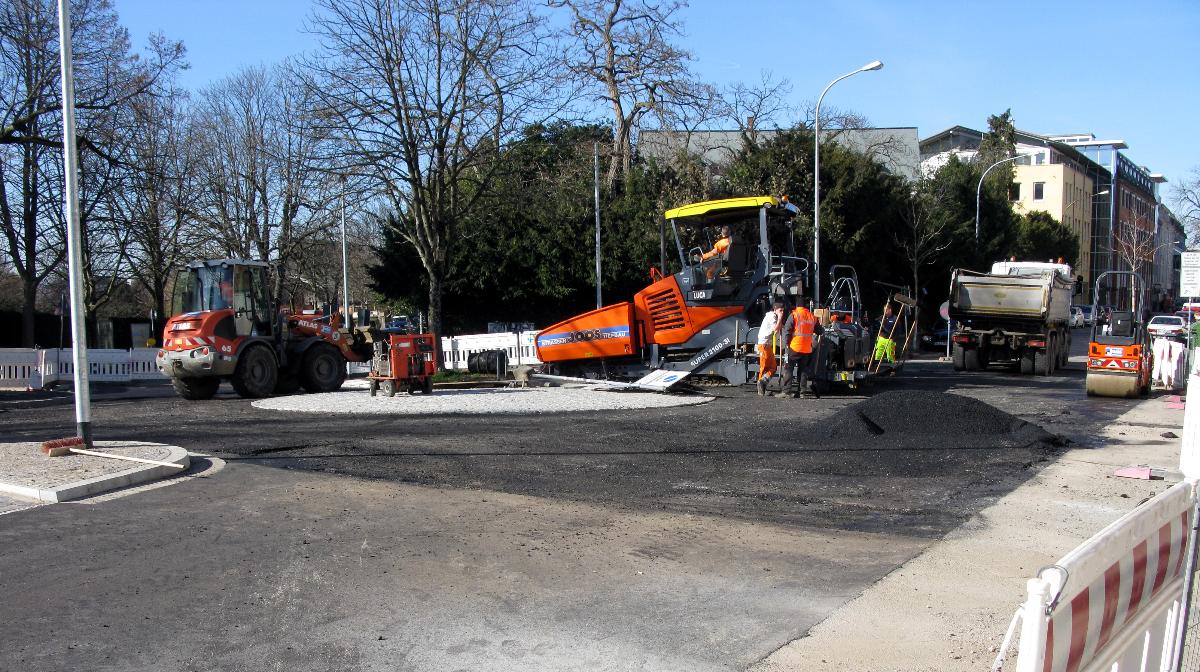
pixel 403 361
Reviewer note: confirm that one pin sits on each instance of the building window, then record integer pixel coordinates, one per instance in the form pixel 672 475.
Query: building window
pixel 1014 192
pixel 1039 189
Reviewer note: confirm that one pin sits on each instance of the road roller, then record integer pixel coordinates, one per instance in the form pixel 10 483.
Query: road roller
pixel 1119 350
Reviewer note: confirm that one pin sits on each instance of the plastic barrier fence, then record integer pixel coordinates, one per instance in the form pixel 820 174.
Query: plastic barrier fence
pixel 1113 603
pixel 23 368
pixel 519 346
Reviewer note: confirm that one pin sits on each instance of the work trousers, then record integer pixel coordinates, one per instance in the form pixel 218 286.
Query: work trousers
pixel 797 370
pixel 767 362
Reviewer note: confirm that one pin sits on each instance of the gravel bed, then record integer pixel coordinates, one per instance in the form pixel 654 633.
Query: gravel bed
pixel 354 399
pixel 25 465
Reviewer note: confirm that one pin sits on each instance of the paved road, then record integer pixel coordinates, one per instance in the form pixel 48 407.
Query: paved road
pixel 695 538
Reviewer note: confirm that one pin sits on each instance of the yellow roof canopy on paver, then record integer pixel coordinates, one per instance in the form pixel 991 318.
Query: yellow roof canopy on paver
pixel 722 207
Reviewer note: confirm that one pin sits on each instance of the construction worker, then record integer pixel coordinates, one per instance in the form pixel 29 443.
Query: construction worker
pixel 722 244
pixel 768 332
pixel 801 330
pixel 885 346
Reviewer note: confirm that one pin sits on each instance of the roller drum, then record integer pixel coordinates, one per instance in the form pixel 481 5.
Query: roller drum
pixel 1112 384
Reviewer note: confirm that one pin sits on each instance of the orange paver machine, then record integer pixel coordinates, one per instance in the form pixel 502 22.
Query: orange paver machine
pixel 734 256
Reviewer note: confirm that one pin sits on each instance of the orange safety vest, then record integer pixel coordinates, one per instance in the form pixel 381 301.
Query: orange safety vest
pixel 721 245
pixel 803 325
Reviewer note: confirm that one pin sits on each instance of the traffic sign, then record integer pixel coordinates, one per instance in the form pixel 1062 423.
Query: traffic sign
pixel 944 309
pixel 1189 274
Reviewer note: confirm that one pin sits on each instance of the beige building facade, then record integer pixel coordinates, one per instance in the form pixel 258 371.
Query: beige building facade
pixel 1064 191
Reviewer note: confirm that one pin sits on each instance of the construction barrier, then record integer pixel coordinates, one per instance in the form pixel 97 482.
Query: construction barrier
pixel 519 348
pixel 1113 603
pixel 28 368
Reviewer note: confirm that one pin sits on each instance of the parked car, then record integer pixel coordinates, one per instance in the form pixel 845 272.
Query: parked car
pixel 1088 319
pixel 1167 325
pixel 1076 316
pixel 934 338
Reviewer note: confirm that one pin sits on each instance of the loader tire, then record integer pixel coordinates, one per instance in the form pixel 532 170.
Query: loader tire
pixel 196 389
pixel 256 373
pixel 323 370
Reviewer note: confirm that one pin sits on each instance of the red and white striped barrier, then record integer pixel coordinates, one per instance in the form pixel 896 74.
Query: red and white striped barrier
pixel 1114 602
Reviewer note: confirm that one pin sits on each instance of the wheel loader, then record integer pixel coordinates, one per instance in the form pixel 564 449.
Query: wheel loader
pixel 226 327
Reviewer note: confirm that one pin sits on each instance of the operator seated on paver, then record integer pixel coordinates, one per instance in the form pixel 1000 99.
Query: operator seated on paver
pixel 768 334
pixel 885 346
pixel 713 261
pixel 800 332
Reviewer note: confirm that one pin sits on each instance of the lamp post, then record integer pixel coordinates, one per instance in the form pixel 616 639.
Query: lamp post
pixel 349 323
pixel 979 191
pixel 873 65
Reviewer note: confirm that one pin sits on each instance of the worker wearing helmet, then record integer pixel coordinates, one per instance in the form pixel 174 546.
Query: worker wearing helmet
pixel 801 331
pixel 768 334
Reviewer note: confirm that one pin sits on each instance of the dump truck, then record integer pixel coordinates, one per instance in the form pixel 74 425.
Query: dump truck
pixel 226 327
pixel 1018 314
pixel 698 322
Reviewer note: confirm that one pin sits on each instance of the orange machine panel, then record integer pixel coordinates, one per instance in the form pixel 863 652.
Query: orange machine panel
pixel 605 332
pixel 670 321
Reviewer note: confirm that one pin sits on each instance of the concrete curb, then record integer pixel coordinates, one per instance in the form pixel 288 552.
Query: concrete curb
pixel 92 486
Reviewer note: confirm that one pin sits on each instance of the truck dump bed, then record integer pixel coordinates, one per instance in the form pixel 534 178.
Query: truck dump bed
pixel 1043 296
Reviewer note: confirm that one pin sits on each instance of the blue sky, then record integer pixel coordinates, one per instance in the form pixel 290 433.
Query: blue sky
pixel 1128 70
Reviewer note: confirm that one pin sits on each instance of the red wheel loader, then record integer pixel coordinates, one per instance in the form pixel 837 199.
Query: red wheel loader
pixel 226 327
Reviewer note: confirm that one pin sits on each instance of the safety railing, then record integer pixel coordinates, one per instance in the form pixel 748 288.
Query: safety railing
pixel 520 348
pixel 29 368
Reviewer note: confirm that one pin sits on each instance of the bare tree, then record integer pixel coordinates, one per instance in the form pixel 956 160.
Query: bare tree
pixel 261 193
pixel 1135 245
pixel 754 107
pixel 422 96
pixel 624 47
pixel 1187 203
pixel 926 233
pixel 108 76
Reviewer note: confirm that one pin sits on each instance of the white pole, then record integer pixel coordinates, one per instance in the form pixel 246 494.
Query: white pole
pixel 596 168
pixel 1189 449
pixel 83 405
pixel 349 322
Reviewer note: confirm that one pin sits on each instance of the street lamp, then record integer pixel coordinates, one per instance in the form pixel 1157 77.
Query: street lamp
pixel 873 65
pixel 979 190
pixel 349 322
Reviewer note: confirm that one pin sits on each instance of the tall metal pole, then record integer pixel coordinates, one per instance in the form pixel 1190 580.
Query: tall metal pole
pixel 349 322
pixel 83 401
pixel 979 191
pixel 873 65
pixel 596 168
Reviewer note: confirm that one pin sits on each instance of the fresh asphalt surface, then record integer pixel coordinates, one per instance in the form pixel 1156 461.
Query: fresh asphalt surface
pixel 697 538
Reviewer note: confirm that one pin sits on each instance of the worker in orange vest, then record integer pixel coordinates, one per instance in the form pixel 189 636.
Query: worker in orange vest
pixel 722 244
pixel 800 333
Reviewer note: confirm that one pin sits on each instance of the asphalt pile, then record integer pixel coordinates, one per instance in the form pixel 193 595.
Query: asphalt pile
pixel 939 418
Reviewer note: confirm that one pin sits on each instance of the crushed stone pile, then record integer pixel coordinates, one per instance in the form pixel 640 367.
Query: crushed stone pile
pixel 909 414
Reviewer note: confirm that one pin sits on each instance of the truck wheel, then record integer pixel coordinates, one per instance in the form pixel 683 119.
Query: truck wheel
pixel 959 357
pixel 1027 362
pixel 971 359
pixel 323 370
pixel 196 389
pixel 1041 362
pixel 256 373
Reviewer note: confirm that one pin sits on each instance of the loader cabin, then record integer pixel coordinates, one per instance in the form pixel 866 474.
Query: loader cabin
pixel 226 284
